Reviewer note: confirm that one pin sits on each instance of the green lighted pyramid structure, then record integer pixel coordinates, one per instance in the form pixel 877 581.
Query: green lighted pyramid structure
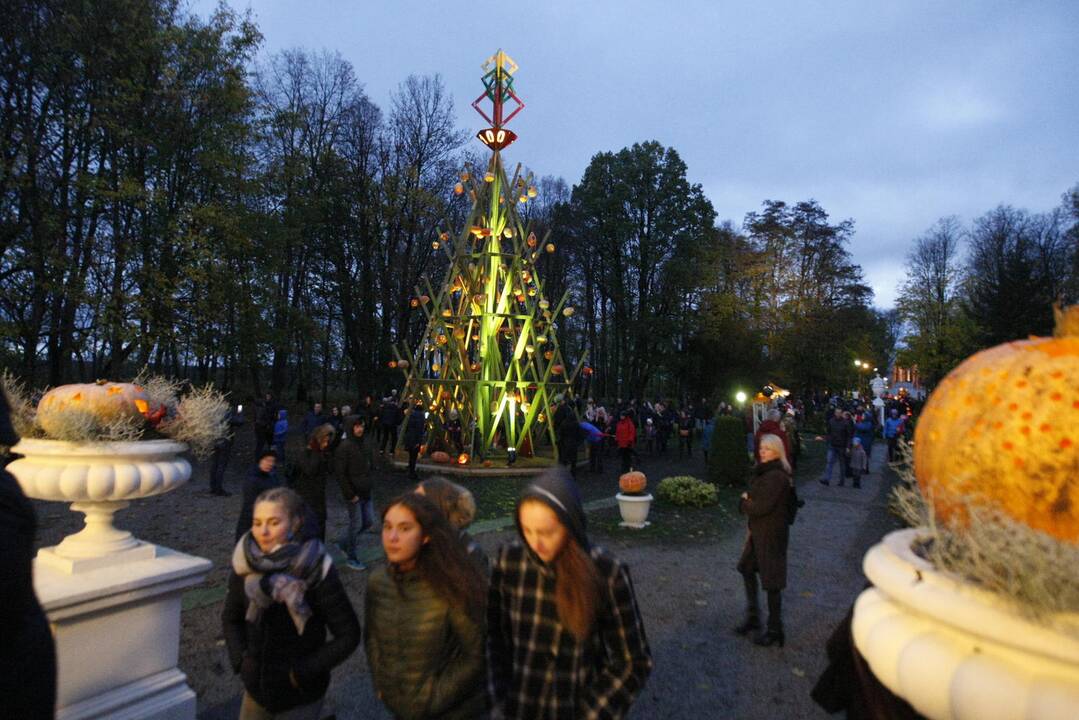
pixel 490 353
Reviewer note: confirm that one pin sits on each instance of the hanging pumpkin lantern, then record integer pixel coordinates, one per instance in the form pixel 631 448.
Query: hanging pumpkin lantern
pixel 106 401
pixel 531 292
pixel 489 177
pixel 520 297
pixel 541 339
pixel 442 339
pixel 508 232
pixel 462 459
pixel 392 364
pixel 464 176
pixel 459 333
pixel 532 242
pixel 548 354
pixel 558 370
pixel 446 312
pixel 530 349
pixel 458 189
pixel 414 302
pixel 475 336
pixel 435 245
pixel 1002 430
pixel 632 483
pixel 587 371
pixel 568 311
pixel 544 303
pixel 479 298
pixel 550 247
pixel 526 276
pixel 477 231
pixel 474 367
pixel 402 364
pixel 523 198
pixel 425 299
pixel 542 418
pixel 444 236
pixel 532 191
pixel 434 367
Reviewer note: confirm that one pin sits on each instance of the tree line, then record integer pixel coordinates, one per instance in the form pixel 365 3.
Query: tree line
pixel 168 200
pixel 992 281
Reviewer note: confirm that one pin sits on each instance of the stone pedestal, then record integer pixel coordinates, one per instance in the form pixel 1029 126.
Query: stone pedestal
pixel 117 632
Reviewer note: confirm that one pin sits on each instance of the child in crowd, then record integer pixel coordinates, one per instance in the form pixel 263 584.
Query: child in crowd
pixel 859 462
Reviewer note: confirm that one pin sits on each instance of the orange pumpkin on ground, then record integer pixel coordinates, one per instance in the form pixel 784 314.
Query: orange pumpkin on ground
pixel 107 401
pixel 440 456
pixel 632 482
pixel 1002 430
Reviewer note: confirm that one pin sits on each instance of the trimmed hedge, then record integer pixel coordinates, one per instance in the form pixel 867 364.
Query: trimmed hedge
pixel 686 490
pixel 728 457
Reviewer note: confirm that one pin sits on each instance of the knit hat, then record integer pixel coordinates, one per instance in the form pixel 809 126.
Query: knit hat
pixel 557 490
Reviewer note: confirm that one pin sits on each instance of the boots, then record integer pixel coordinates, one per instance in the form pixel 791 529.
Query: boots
pixel 774 634
pixel 753 613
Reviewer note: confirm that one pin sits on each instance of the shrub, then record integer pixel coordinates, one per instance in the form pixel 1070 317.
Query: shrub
pixel 686 490
pixel 728 459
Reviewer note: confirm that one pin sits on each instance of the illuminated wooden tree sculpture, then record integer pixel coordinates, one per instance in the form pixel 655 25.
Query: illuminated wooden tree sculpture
pixel 490 353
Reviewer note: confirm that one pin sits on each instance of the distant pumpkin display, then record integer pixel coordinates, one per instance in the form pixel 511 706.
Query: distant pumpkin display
pixel 440 456
pixel 633 481
pixel 1002 430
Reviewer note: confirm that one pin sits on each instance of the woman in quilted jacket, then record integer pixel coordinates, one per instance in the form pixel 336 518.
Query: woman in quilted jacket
pixel 424 618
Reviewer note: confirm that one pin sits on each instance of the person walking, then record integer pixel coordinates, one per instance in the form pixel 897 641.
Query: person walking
pixel 569 434
pixel 353 465
pixel 284 595
pixel 390 417
pixel 263 477
pixel 565 638
pixel 280 434
pixel 859 462
pixel 893 430
pixel 458 506
pixel 625 436
pixel 313 472
pixel 27 648
pixel 685 424
pixel 223 451
pixel 415 431
pixel 313 419
pixel 424 618
pixel 764 553
pixel 265 417
pixel 840 434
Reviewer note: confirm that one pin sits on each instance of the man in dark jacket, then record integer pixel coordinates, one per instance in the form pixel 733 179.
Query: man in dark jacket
pixel 353 461
pixel 27 653
pixel 263 476
pixel 313 419
pixel 415 430
pixel 389 420
pixel 570 435
pixel 265 417
pixel 223 451
pixel 840 434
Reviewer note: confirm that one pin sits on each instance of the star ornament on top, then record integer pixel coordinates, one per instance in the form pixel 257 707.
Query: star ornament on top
pixel 498 88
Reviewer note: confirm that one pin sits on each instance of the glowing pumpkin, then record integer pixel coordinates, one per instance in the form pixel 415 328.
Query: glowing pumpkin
pixel 440 456
pixel 106 401
pixel 558 370
pixel 632 482
pixel 392 364
pixel 1002 430
pixel 462 459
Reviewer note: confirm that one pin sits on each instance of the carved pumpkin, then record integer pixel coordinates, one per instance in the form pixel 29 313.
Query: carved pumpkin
pixel 440 456
pixel 632 482
pixel 558 370
pixel 1002 430
pixel 107 401
pixel 462 459
pixel 487 463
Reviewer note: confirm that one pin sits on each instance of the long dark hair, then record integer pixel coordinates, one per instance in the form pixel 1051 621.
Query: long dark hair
pixel 442 560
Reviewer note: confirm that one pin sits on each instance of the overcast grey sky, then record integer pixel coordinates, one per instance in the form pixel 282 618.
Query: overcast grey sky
pixel 891 113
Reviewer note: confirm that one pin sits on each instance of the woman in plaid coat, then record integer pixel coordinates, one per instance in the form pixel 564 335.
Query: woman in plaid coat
pixel 565 637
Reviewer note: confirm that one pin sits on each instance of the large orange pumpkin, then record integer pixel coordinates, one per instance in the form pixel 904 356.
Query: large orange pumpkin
pixel 1002 430
pixel 440 456
pixel 632 482
pixel 107 401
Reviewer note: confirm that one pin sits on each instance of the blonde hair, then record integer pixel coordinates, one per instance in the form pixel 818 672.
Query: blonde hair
pixel 773 441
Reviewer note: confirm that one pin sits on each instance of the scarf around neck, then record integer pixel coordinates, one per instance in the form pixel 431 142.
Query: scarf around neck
pixel 293 569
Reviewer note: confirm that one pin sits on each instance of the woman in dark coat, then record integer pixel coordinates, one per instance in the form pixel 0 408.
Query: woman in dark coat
pixel 424 618
pixel 415 430
pixel 283 595
pixel 765 550
pixel 263 477
pixel 27 653
pixel 314 471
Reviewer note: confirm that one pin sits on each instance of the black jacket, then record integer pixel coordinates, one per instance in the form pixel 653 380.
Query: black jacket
pixel 353 461
pixel 256 483
pixel 265 653
pixel 840 432
pixel 765 549
pixel 27 653
pixel 415 428
pixel 314 471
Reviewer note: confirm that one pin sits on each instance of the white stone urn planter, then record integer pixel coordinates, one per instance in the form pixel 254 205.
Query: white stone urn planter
pixel 98 479
pixel 955 651
pixel 634 509
pixel 112 600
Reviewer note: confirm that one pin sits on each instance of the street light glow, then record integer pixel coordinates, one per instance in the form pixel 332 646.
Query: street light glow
pixel 740 396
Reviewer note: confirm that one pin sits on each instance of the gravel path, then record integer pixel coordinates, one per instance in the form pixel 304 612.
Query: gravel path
pixel 689 593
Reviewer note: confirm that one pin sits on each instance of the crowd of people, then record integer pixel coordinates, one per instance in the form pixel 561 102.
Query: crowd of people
pixel 549 629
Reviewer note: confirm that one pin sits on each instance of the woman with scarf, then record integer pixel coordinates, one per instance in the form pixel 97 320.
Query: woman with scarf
pixel 424 618
pixel 283 595
pixel 565 638
pixel 766 507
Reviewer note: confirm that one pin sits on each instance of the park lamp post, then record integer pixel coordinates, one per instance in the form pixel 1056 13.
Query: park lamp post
pixel 740 396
